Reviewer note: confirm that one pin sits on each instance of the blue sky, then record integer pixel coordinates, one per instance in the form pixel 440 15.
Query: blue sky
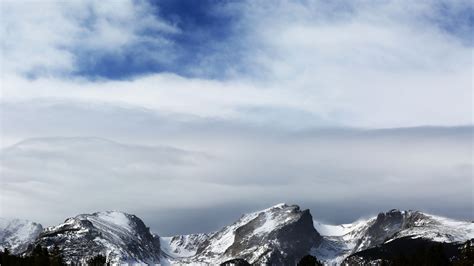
pixel 208 31
pixel 282 93
pixel 216 35
pixel 211 30
pixel 203 29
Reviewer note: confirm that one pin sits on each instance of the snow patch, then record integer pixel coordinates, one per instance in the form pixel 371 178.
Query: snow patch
pixel 268 226
pixel 115 218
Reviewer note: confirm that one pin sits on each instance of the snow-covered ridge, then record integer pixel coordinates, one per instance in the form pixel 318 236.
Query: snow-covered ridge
pixel 440 229
pixel 16 234
pixel 343 240
pixel 276 235
pixel 259 237
pixel 120 236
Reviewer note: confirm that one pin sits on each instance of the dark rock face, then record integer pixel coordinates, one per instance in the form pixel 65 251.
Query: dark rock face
pixel 280 235
pixel 408 249
pixel 235 262
pixel 387 225
pixel 295 239
pixel 118 236
pixel 384 226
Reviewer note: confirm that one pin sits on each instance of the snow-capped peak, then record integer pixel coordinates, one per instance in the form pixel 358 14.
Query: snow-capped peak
pixel 261 237
pixel 343 240
pixel 437 228
pixel 121 237
pixel 110 219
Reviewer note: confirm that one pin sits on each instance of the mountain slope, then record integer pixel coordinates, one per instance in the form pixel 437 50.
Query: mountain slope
pixel 119 236
pixel 16 234
pixel 265 236
pixel 182 246
pixel 280 234
pixel 344 240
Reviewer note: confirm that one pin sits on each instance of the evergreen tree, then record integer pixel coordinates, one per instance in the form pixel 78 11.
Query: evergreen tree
pixel 98 260
pixel 467 255
pixel 5 257
pixel 309 260
pixel 40 256
pixel 235 262
pixel 428 256
pixel 56 257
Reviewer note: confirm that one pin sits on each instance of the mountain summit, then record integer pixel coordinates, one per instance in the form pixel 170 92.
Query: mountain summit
pixel 278 235
pixel 340 241
pixel 119 236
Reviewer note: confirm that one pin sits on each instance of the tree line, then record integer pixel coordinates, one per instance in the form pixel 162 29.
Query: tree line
pixel 40 256
pixel 431 256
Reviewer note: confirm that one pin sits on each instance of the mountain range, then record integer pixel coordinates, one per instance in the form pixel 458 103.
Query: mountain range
pixel 279 235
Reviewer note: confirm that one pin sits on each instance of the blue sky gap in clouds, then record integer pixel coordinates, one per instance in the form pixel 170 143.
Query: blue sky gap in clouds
pixel 223 39
pixel 203 29
pixel 208 42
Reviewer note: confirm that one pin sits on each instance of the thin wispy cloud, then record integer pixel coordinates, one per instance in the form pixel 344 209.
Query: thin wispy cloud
pixel 408 169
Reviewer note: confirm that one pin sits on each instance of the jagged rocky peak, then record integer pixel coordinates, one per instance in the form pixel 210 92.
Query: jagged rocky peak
pixel 277 235
pixel 391 214
pixel 340 241
pixel 399 218
pixel 405 218
pixel 121 237
pixel 386 223
pixel 17 234
pixel 394 221
pixel 414 224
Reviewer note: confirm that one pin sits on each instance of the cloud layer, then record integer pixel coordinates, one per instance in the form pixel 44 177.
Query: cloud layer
pixel 229 107
pixel 49 38
pixel 355 63
pixel 222 165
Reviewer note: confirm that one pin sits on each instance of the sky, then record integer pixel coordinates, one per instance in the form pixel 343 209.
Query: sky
pixel 190 113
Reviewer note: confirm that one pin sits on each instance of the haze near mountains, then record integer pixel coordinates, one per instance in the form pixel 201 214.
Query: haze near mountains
pixel 406 168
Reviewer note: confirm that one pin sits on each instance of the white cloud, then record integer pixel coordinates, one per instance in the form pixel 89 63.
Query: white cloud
pixel 45 38
pixel 385 64
pixel 353 63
